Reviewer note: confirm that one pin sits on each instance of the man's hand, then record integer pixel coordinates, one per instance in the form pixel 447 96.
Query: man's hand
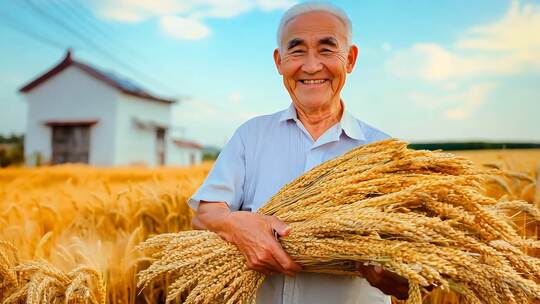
pixel 386 281
pixel 252 233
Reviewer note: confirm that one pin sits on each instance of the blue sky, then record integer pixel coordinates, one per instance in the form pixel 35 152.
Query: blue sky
pixel 427 70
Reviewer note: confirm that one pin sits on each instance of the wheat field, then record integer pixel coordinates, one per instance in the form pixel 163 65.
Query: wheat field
pixel 68 233
pixel 72 215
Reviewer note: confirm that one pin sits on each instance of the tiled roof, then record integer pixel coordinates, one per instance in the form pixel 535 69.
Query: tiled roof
pixel 187 144
pixel 123 85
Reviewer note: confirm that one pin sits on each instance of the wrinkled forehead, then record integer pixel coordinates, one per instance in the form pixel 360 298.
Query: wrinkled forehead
pixel 312 27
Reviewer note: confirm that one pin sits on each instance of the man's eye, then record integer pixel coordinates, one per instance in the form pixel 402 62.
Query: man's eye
pixel 297 52
pixel 326 51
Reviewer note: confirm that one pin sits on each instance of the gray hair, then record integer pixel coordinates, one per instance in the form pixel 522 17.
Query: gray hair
pixel 307 7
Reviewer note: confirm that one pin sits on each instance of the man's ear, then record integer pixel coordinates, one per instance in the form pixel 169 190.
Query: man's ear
pixel 277 60
pixel 351 58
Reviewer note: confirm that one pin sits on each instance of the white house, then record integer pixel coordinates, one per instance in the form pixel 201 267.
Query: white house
pixel 187 152
pixel 77 113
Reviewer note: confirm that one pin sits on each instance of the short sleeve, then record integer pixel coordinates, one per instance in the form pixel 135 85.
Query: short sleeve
pixel 225 182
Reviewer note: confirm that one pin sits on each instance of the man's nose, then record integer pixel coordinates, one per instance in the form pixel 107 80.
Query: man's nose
pixel 312 64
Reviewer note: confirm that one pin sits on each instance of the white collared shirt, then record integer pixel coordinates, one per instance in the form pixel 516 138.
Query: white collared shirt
pixel 263 155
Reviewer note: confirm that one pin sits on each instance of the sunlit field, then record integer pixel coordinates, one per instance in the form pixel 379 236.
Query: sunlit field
pixel 70 232
pixel 521 166
pixel 68 216
pixel 526 160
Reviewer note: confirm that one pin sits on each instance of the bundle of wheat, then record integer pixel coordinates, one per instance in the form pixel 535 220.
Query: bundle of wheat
pixel 420 214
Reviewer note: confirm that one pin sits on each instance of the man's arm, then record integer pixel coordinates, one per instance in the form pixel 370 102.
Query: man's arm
pixel 252 233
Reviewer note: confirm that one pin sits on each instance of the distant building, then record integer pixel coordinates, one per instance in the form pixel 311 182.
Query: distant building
pixel 77 113
pixel 187 152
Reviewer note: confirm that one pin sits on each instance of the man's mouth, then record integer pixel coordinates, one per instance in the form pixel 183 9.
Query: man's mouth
pixel 313 81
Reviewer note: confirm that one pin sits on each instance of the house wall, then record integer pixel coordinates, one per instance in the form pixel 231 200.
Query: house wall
pixel 180 156
pixel 135 145
pixel 71 95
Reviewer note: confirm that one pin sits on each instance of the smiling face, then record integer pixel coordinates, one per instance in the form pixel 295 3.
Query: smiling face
pixel 314 59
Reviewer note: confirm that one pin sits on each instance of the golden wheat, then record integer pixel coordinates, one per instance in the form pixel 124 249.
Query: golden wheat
pixel 85 222
pixel 420 214
pixel 73 216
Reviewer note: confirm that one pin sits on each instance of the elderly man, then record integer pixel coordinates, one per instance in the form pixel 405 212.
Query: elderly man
pixel 314 56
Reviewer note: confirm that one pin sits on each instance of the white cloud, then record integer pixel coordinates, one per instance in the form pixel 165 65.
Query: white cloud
pixel 433 62
pixel 471 101
pixel 457 103
pixel 224 8
pixel 508 46
pixel 135 10
pixel 174 15
pixel 518 31
pixel 183 28
pixel 269 5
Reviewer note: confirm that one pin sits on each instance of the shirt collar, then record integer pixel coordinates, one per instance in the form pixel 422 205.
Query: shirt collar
pixel 289 113
pixel 351 126
pixel 348 123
